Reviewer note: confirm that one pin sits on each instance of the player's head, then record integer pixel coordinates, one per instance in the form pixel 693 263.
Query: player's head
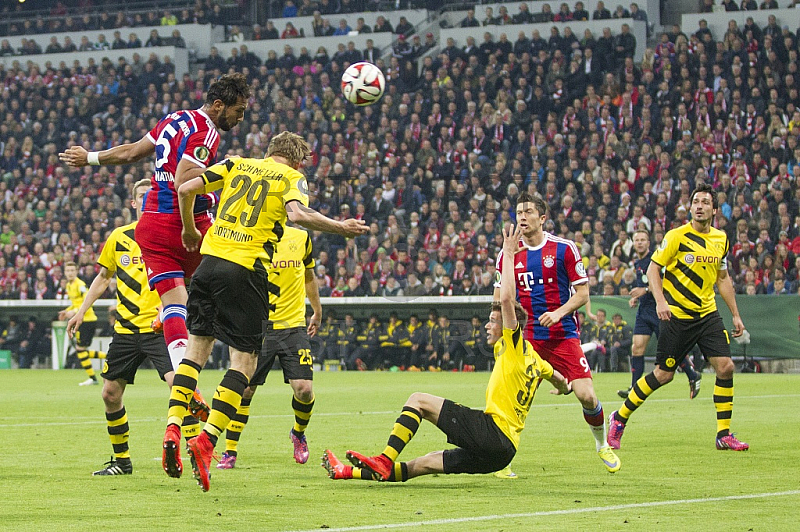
pixel 138 190
pixel 494 327
pixel 704 203
pixel 641 241
pixel 531 213
pixel 290 146
pixel 226 100
pixel 70 271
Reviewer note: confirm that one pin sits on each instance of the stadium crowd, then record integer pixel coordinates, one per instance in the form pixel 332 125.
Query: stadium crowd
pixel 435 166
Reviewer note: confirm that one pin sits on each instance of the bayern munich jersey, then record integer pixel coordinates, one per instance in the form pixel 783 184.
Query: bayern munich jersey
pixel 187 134
pixel 545 276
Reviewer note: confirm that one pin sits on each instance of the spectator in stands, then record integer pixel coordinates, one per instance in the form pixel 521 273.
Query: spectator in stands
pixel 6 49
pixel 85 46
pixel 749 5
pixel 382 25
pixel 769 4
pixel 167 19
pixel 362 27
pixel 118 43
pixel 601 13
pixel 133 41
pixel 102 43
pixel 404 27
pixel 343 28
pixel 470 21
pixel 490 19
pixel 290 32
pixel 271 32
pixel 289 9
pixel 564 14
pixel 580 13
pixel 370 53
pixel 53 48
pixel 154 40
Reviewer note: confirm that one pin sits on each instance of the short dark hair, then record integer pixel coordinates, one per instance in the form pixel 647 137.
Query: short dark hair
pixel 538 202
pixel 705 187
pixel 520 313
pixel 228 89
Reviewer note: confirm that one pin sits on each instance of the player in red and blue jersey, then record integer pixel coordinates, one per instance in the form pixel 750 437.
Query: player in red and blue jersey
pixel 551 285
pixel 185 144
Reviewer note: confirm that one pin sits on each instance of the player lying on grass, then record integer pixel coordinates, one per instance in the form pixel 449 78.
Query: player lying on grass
pixel 486 440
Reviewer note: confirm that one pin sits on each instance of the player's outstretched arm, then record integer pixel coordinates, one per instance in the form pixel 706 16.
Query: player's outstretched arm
pixel 98 287
pixel 508 290
pixel 77 156
pixel 725 287
pixel 312 292
pixel 311 219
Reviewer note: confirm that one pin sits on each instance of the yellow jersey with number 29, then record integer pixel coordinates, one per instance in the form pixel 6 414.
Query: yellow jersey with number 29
pixel 517 372
pixel 252 209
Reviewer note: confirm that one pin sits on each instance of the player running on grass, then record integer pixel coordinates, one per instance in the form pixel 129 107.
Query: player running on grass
pixel 486 440
pixel 229 297
pixel 551 285
pixel 185 144
pixel 647 322
pixel 83 336
pixel 291 278
pixel 694 258
pixel 134 340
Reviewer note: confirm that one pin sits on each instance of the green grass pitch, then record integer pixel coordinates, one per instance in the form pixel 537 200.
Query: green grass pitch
pixel 53 435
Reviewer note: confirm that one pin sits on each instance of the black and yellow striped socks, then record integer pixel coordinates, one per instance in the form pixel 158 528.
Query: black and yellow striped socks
pixel 118 432
pixel 236 426
pixel 190 427
pixel 302 414
pixel 723 402
pixel 404 429
pixel 183 386
pixel 399 473
pixel 641 390
pixel 227 399
pixel 85 356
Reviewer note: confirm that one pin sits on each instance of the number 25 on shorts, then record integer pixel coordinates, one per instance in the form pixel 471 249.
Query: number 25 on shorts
pixel 305 357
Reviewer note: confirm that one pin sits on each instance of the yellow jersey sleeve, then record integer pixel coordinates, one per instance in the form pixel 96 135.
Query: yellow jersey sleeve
pixel 308 260
pixel 107 259
pixel 294 188
pixel 513 340
pixel 215 177
pixel 668 248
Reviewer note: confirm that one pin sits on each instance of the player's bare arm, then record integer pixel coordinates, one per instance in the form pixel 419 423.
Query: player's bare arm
pixel 508 292
pixel 311 219
pixel 97 289
pixel 656 286
pixel 725 287
pixel 312 292
pixel 190 235
pixel 561 386
pixel 576 301
pixel 77 156
pixel 187 171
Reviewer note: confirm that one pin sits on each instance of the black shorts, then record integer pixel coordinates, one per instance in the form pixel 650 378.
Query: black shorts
pixel 293 350
pixel 128 351
pixel 678 337
pixel 229 302
pixel 647 322
pixel 86 333
pixel 481 445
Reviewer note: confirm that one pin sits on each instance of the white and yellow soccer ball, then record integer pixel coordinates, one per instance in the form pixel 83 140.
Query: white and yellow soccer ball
pixel 363 83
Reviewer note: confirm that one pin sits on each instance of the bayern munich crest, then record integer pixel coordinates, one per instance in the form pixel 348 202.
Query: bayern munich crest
pixel 549 261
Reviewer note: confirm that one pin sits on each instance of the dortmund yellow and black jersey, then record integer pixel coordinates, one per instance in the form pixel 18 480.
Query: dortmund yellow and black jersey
pixel 252 209
pixel 137 305
pixel 517 372
pixel 287 279
pixel 76 292
pixel 691 261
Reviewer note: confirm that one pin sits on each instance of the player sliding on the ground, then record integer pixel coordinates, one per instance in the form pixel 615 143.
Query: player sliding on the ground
pixel 486 440
pixel 229 296
pixel 694 257
pixel 83 335
pixel 291 278
pixel 134 340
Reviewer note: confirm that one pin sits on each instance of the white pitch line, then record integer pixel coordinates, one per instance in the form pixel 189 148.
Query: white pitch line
pixel 326 414
pixel 570 511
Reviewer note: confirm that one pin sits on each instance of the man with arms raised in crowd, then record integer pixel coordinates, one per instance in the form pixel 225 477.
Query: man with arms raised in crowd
pixel 551 285
pixel 486 440
pixel 291 278
pixel 694 258
pixel 229 297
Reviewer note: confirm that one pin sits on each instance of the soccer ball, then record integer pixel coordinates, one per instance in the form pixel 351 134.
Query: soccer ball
pixel 363 83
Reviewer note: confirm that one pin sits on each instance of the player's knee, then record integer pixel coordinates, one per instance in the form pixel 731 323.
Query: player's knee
pixel 112 395
pixel 725 368
pixel 303 390
pixel 418 401
pixel 662 376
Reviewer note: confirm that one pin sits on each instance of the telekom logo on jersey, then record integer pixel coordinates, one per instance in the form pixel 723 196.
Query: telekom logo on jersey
pixel 527 280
